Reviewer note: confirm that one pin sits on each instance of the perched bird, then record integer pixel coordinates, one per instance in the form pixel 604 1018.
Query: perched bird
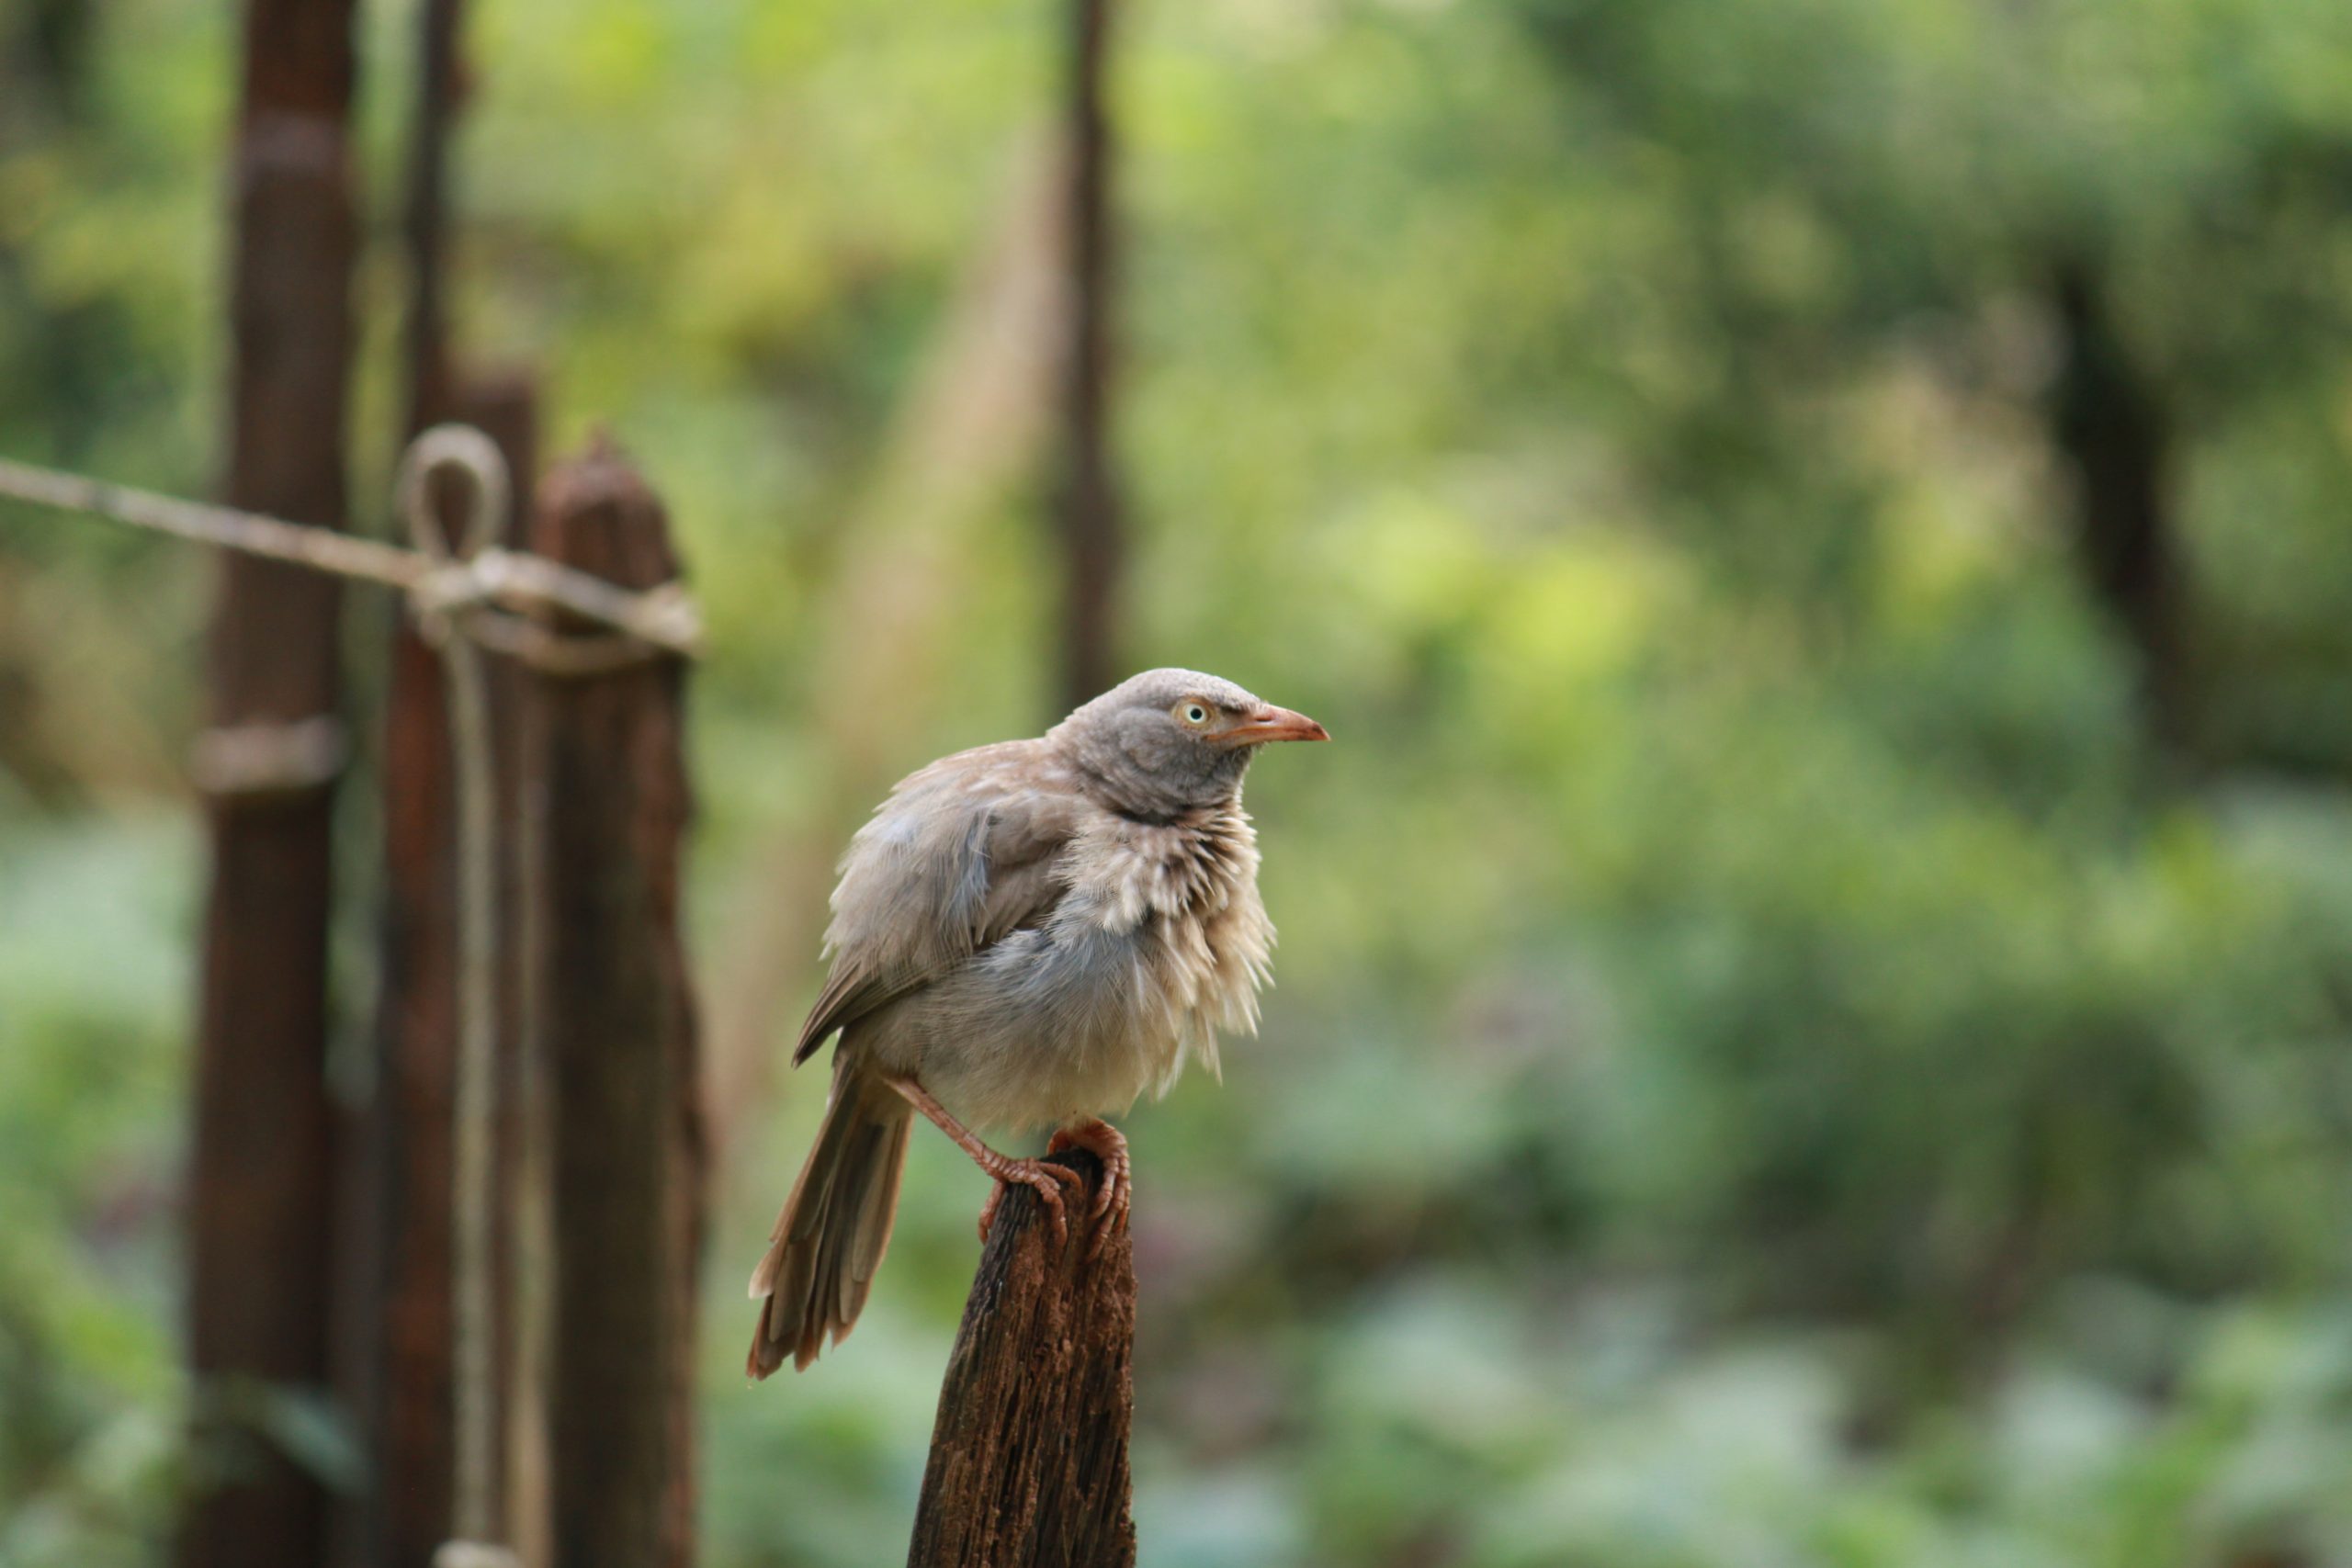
pixel 1025 935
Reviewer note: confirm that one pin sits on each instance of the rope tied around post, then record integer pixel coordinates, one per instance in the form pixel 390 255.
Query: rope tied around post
pixel 477 593
pixel 460 602
pixel 451 605
pixel 489 593
pixel 473 598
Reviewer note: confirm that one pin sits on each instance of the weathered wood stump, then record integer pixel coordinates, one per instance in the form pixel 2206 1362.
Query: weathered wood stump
pixel 613 1029
pixel 1029 1456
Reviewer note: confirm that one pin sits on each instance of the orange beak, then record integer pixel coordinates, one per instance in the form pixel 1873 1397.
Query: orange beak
pixel 1274 724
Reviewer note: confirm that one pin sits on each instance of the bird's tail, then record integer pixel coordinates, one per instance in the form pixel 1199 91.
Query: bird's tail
pixel 835 1226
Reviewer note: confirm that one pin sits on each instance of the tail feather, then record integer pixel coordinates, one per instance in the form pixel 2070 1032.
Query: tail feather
pixel 834 1228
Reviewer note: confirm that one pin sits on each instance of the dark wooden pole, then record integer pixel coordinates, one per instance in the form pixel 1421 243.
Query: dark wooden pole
pixel 1029 1456
pixel 425 218
pixel 405 1309
pixel 262 1184
pixel 613 1024
pixel 1092 547
pixel 405 1304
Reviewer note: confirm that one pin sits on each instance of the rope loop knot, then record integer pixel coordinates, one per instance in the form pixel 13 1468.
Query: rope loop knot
pixel 475 592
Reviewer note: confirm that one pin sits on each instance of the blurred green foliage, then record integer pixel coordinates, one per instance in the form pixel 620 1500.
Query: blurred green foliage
pixel 1772 1065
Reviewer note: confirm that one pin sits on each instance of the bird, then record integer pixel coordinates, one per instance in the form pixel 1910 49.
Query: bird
pixel 1024 935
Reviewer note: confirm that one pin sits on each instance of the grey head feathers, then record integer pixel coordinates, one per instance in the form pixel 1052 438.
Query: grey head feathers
pixel 1161 743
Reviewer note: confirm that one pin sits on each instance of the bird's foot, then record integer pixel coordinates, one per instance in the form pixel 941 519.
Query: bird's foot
pixel 1116 1195
pixel 1046 1180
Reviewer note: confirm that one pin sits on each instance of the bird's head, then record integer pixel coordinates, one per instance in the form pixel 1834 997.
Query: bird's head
pixel 1167 741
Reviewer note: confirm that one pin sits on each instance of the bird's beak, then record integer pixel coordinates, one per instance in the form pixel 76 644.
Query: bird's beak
pixel 1274 724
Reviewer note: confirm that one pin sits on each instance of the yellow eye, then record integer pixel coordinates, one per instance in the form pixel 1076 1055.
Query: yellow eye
pixel 1194 714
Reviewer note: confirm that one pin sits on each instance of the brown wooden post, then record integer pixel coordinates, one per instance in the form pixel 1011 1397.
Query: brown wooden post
pixel 262 1185
pixel 406 1300
pixel 1029 1456
pixel 613 1028
pixel 1092 547
pixel 425 217
pixel 407 1320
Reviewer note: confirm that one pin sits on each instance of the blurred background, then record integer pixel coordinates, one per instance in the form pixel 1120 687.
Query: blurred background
pixel 1814 1011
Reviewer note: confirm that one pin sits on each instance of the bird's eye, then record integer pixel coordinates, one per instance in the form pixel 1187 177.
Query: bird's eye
pixel 1192 713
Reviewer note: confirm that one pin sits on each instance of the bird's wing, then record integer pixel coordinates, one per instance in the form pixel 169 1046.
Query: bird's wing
pixel 960 854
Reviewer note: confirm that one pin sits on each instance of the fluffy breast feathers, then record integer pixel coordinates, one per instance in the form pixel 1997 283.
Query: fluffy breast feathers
pixel 1186 894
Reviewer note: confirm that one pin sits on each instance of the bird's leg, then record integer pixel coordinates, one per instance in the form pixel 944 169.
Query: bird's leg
pixel 1045 1179
pixel 1108 1144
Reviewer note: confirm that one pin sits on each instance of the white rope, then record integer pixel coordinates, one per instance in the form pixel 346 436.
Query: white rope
pixel 473 1506
pixel 487 591
pixel 250 760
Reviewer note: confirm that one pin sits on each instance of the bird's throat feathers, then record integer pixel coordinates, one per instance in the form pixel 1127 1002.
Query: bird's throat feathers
pixel 1130 768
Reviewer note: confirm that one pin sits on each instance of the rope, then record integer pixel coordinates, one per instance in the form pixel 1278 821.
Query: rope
pixel 264 759
pixel 490 590
pixel 481 598
pixel 473 1508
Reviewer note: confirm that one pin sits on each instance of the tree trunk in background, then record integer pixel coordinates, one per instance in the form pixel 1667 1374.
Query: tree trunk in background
pixel 614 1030
pixel 2116 440
pixel 45 54
pixel 262 1187
pixel 425 220
pixel 1090 530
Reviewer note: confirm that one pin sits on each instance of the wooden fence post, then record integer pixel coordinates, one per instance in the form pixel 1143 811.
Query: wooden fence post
pixel 406 1321
pixel 1029 1456
pixel 405 1311
pixel 613 1029
pixel 262 1187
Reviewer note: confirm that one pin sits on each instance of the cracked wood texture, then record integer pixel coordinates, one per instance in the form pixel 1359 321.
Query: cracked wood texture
pixel 612 1027
pixel 1029 1456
